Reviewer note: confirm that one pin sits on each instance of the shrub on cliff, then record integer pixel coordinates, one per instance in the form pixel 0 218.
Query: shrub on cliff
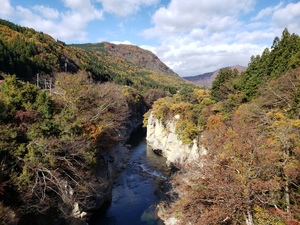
pixel 191 105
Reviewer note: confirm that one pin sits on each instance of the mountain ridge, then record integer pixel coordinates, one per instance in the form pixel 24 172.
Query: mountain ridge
pixel 131 53
pixel 206 79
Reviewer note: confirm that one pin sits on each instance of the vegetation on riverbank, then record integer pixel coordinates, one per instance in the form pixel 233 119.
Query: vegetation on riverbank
pixel 49 144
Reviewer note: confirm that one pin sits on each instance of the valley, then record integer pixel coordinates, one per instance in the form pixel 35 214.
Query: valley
pixel 223 152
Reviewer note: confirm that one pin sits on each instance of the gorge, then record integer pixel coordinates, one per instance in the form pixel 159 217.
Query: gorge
pixel 142 185
pixel 136 188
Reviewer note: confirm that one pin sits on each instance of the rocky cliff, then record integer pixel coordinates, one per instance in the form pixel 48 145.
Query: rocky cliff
pixel 164 140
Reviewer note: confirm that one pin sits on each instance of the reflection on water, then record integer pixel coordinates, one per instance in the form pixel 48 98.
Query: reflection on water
pixel 134 200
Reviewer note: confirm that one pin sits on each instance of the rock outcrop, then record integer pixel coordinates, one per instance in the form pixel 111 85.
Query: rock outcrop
pixel 164 140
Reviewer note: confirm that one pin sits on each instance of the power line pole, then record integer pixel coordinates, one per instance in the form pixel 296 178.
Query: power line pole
pixel 37 80
pixel 50 86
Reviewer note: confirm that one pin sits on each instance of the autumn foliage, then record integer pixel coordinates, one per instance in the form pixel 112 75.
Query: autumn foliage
pixel 250 127
pixel 51 142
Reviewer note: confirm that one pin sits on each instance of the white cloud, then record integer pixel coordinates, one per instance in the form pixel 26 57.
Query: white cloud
pixel 84 8
pixel 288 17
pixel 125 8
pixel 27 15
pixel 203 36
pixel 150 48
pixel 68 25
pixel 56 30
pixel 267 12
pixel 255 37
pixel 199 37
pixel 6 10
pixel 122 42
pixel 77 4
pixel 193 58
pixel 46 12
pixel 180 17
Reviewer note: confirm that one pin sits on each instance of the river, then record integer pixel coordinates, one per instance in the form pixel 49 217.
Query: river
pixel 134 200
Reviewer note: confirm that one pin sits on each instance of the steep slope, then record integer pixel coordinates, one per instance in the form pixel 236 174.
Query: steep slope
pixel 140 57
pixel 60 151
pixel 206 79
pixel 133 54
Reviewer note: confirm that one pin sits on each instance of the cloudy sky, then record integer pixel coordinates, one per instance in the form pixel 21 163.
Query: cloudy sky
pixel 191 36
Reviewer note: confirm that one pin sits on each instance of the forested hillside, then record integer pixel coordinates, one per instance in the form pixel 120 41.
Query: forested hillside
pixel 250 126
pixel 26 53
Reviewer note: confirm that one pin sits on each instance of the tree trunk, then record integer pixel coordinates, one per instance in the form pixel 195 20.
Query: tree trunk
pixel 287 199
pixel 249 218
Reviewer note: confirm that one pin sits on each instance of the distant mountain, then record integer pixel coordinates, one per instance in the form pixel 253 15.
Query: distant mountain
pixel 138 56
pixel 206 79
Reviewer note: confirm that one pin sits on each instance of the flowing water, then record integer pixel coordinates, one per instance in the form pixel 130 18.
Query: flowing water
pixel 134 200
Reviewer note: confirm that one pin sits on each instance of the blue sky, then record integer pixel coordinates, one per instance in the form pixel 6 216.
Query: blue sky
pixel 190 36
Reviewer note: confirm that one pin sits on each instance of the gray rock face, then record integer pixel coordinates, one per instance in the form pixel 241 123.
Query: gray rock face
pixel 163 139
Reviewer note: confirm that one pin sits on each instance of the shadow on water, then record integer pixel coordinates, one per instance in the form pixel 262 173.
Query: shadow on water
pixel 137 136
pixel 134 199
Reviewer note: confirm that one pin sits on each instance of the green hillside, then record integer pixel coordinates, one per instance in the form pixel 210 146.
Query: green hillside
pixel 26 53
